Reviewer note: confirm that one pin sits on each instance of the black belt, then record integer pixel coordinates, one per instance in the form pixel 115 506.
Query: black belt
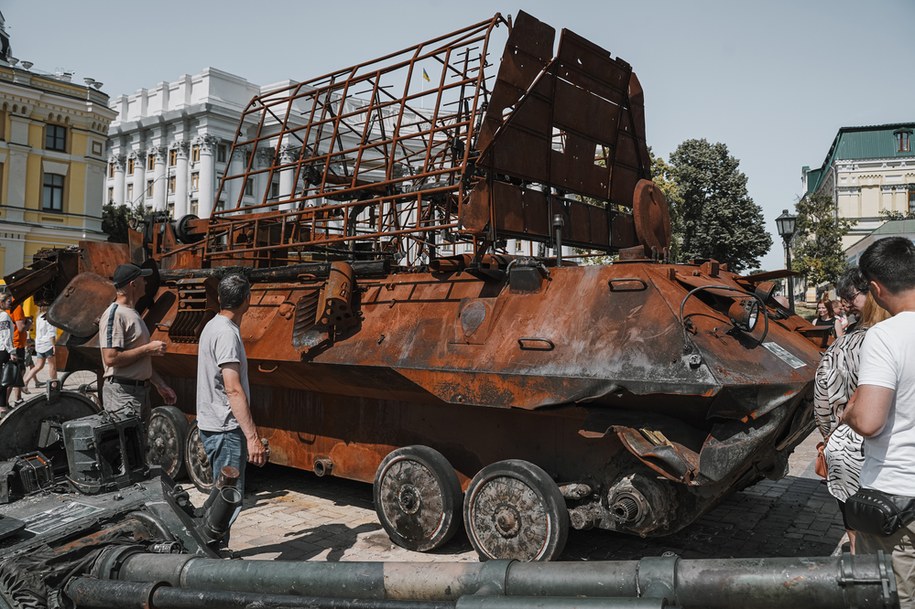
pixel 133 382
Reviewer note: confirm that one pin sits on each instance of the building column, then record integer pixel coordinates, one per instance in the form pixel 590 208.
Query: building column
pixel 236 187
pixel 181 194
pixel 207 178
pixel 288 154
pixel 262 180
pixel 119 185
pixel 18 173
pixel 139 179
pixel 160 182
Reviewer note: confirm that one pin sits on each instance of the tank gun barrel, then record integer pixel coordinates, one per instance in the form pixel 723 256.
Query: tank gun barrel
pixel 292 272
pixel 802 583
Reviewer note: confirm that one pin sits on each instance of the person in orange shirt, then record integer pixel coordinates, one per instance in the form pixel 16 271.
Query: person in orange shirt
pixel 21 327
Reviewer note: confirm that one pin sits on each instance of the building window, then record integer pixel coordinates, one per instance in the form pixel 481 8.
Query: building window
pixel 194 207
pixel 150 162
pixel 912 202
pixel 110 170
pixel 129 194
pixel 3 126
pixel 172 184
pixel 195 181
pixel 55 138
pixel 195 153
pixel 130 166
pixel 52 192
pixel 275 189
pixel 249 186
pixel 903 140
pixel 111 196
pixel 220 205
pixel 221 152
pixel 149 188
pixel 172 157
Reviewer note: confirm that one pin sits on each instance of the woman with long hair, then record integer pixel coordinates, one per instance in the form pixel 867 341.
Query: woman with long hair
pixel 826 316
pixel 836 380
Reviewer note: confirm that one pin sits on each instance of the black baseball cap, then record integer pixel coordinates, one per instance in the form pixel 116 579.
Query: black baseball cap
pixel 125 273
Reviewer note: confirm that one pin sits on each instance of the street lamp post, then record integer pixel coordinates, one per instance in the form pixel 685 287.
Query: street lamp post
pixel 786 224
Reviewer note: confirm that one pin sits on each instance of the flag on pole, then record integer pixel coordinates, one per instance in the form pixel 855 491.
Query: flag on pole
pixel 426 75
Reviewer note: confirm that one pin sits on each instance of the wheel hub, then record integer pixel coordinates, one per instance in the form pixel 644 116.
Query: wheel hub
pixel 409 499
pixel 507 520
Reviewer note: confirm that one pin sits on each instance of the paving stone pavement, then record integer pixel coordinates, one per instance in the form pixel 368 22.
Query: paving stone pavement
pixel 294 515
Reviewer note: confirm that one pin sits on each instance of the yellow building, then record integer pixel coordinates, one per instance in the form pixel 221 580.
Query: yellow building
pixel 52 161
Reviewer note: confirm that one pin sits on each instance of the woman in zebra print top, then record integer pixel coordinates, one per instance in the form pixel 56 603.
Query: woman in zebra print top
pixel 835 382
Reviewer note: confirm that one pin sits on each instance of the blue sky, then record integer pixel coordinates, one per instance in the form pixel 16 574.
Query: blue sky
pixel 774 80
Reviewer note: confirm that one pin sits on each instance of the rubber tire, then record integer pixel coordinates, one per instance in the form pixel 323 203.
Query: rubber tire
pixel 198 466
pixel 412 530
pixel 171 448
pixel 532 483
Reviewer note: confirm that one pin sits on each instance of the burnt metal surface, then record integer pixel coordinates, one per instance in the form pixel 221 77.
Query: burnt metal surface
pixel 387 313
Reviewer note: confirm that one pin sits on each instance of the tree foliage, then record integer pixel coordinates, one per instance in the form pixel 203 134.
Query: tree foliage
pixel 116 219
pixel 713 214
pixel 818 236
pixel 891 214
pixel 662 177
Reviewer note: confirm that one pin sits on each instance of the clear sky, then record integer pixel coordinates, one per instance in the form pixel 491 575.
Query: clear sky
pixel 774 80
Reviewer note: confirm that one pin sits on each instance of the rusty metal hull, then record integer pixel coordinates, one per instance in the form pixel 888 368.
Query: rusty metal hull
pixel 593 376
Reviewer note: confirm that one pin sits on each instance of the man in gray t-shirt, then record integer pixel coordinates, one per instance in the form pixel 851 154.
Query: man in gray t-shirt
pixel 224 418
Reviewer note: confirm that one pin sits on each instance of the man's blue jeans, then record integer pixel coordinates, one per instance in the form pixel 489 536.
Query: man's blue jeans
pixel 227 448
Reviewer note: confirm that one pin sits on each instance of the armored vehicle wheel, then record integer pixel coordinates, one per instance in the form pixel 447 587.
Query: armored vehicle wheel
pixel 166 440
pixel 417 498
pixel 514 510
pixel 199 469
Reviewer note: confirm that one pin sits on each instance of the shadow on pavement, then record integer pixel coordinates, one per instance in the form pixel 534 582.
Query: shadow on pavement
pixel 302 545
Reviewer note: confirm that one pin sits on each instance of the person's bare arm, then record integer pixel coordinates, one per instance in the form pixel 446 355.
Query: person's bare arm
pixel 238 402
pixel 121 358
pixel 168 394
pixel 868 409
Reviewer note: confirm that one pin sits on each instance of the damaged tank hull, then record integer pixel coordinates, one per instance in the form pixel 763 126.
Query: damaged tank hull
pixel 392 338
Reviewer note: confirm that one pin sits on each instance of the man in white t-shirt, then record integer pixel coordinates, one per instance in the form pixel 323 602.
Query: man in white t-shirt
pixel 883 410
pixel 224 419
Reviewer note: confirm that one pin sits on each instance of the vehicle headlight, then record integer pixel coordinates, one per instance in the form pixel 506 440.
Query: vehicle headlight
pixel 744 313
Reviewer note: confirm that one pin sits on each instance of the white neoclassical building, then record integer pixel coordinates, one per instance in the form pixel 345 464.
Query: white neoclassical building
pixel 170 145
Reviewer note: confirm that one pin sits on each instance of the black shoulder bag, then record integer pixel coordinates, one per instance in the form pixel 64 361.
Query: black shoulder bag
pixel 878 513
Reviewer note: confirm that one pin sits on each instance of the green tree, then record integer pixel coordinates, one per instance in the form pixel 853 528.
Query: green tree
pixel 818 240
pixel 889 215
pixel 713 213
pixel 116 219
pixel 662 176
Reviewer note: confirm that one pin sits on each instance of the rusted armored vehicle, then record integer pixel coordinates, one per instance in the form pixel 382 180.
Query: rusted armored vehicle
pixel 424 316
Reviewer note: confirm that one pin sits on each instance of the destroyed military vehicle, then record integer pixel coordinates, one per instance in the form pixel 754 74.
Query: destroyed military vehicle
pixel 419 231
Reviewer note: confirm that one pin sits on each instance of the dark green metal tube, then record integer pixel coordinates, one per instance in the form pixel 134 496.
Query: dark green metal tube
pixel 557 602
pixel 788 583
pixel 87 593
